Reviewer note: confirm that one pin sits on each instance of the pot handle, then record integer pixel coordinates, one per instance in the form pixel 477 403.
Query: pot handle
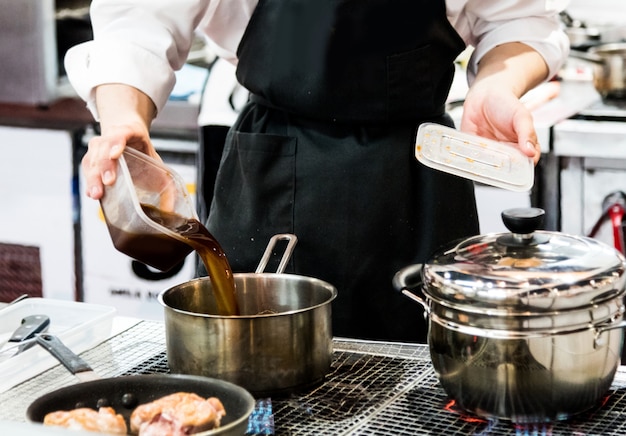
pixel 586 56
pixel 409 278
pixel 610 325
pixel 292 240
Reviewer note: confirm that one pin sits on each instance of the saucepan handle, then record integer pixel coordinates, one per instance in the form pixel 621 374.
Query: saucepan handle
pixel 408 279
pixel 292 240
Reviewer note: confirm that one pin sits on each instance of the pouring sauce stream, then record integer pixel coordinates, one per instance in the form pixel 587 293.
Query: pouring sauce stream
pixel 198 237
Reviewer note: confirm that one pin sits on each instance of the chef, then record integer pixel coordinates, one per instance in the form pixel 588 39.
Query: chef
pixel 324 148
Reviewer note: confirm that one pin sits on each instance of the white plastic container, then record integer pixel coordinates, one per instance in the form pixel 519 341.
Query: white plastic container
pixel 473 157
pixel 80 326
pixel 146 186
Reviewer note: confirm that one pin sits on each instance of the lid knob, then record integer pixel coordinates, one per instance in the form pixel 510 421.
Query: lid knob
pixel 522 222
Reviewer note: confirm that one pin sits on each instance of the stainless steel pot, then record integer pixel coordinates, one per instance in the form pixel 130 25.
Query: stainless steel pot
pixel 577 31
pixel 609 68
pixel 280 342
pixel 524 326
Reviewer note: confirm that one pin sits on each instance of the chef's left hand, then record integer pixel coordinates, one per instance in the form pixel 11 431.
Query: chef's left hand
pixel 492 106
pixel 500 115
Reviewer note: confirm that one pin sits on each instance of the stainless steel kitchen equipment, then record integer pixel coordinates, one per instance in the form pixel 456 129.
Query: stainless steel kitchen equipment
pixel 578 32
pixel 373 388
pixel 526 325
pixel 80 325
pixel 583 35
pixel 609 68
pixel 34 36
pixel 591 151
pixel 22 337
pixel 280 342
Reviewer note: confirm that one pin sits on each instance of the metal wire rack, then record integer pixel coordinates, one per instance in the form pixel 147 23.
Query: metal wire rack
pixel 373 388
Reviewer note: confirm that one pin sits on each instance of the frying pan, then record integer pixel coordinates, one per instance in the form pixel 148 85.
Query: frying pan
pixel 124 393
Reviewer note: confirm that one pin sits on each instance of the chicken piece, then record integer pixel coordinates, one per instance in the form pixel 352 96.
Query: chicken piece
pixel 104 420
pixel 180 413
pixel 160 425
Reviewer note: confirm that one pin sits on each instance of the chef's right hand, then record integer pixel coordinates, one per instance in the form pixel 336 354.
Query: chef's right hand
pixel 125 115
pixel 100 162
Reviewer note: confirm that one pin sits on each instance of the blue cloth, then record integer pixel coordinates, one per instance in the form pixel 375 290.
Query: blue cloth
pixel 261 422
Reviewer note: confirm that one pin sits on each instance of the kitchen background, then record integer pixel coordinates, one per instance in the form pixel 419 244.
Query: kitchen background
pixel 54 242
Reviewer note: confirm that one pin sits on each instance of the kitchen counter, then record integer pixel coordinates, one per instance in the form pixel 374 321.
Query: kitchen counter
pixel 373 388
pixel 177 119
pixel 64 114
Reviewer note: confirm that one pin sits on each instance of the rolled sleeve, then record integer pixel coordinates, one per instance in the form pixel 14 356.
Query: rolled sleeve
pixel 485 24
pixel 140 43
pixel 95 63
pixel 542 34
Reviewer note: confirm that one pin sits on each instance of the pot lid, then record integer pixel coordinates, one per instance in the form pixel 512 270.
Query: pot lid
pixel 525 269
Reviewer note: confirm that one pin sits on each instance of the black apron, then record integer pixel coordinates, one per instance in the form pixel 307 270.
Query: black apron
pixel 325 150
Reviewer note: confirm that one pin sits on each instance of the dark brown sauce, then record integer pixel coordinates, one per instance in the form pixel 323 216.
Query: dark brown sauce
pixel 158 251
pixel 204 243
pixel 163 252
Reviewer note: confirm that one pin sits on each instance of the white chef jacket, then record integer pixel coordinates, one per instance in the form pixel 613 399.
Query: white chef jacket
pixel 142 43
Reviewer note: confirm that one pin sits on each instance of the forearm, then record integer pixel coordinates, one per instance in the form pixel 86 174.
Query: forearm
pixel 125 117
pixel 514 66
pixel 120 105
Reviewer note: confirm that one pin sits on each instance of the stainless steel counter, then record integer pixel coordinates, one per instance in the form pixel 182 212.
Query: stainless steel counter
pixel 373 388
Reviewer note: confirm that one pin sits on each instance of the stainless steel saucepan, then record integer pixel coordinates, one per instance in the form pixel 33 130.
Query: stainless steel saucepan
pixel 609 68
pixel 280 342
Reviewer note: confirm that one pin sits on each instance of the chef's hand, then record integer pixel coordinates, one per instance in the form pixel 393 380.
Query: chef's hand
pixel 498 114
pixel 125 116
pixel 492 106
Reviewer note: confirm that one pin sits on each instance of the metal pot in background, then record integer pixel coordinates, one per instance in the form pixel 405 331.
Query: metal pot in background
pixel 609 68
pixel 524 326
pixel 583 35
pixel 280 342
pixel 580 35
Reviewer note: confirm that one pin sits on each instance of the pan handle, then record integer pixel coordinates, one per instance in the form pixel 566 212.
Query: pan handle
pixel 286 255
pixel 67 357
